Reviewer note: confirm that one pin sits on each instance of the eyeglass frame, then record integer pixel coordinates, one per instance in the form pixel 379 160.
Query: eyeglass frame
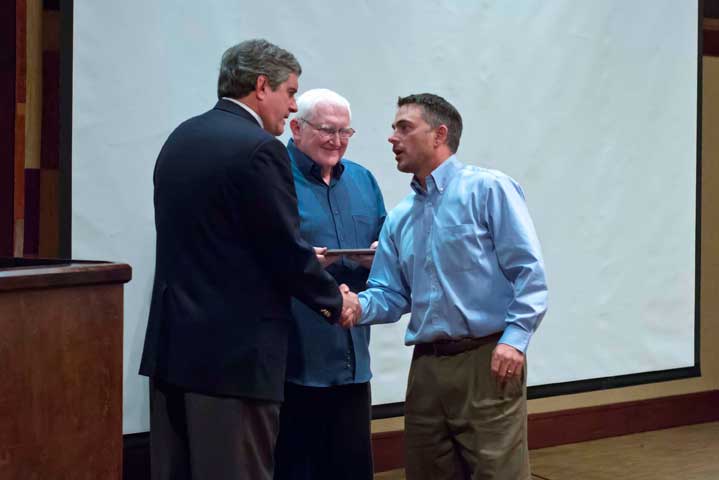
pixel 330 132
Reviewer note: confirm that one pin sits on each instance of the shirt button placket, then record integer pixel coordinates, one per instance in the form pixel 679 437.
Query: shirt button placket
pixel 340 237
pixel 432 268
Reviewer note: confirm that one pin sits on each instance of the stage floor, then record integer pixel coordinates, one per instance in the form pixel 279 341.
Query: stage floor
pixel 686 453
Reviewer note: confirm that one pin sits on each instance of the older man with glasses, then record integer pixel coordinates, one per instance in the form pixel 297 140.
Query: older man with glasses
pixel 325 419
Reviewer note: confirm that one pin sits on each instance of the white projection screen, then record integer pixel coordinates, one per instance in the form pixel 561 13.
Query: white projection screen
pixel 590 105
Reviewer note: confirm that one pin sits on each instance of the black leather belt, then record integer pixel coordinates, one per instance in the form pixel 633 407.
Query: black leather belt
pixel 453 347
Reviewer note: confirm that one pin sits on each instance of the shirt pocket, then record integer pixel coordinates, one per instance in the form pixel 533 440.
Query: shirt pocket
pixel 457 247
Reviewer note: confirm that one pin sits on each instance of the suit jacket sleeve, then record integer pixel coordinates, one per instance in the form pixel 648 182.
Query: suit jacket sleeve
pixel 269 211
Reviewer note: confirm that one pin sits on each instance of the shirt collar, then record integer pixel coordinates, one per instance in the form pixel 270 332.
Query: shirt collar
pixel 251 112
pixel 439 178
pixel 308 167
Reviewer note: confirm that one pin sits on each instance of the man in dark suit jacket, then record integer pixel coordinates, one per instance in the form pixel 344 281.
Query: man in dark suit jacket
pixel 229 257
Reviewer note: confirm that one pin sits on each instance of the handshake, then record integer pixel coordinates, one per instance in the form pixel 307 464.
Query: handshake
pixel 351 309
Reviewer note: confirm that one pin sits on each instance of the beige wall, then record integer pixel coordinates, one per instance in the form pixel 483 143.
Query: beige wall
pixel 709 379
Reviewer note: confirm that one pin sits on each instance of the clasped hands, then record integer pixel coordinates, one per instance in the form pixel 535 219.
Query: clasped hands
pixel 351 309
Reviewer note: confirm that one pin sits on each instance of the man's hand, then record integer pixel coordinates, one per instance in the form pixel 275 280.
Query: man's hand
pixel 351 309
pixel 324 261
pixel 507 362
pixel 364 260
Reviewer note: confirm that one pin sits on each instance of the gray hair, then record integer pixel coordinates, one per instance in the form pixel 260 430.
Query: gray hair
pixel 308 101
pixel 437 111
pixel 243 63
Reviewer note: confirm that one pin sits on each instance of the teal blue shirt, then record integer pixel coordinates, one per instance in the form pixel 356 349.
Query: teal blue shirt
pixel 347 213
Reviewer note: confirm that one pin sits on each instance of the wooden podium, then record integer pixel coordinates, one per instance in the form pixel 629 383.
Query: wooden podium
pixel 61 369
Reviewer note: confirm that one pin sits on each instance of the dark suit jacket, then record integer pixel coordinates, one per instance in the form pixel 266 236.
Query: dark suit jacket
pixel 229 257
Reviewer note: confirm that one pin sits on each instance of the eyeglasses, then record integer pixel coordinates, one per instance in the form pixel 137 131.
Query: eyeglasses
pixel 329 132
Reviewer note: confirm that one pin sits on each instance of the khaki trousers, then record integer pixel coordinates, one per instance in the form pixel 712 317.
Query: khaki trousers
pixel 461 424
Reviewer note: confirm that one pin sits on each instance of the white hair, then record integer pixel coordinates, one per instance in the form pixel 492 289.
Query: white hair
pixel 308 101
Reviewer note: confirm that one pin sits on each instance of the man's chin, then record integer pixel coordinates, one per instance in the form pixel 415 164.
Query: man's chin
pixel 329 162
pixel 277 130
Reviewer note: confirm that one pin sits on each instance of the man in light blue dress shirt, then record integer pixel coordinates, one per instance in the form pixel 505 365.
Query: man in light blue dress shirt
pixel 461 253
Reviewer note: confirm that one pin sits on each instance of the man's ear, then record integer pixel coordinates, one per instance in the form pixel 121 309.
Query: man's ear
pixel 440 135
pixel 295 127
pixel 262 84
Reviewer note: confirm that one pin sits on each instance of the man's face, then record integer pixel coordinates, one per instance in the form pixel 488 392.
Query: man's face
pixel 412 140
pixel 276 105
pixel 312 139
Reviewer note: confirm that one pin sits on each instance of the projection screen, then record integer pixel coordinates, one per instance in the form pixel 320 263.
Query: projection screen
pixel 590 106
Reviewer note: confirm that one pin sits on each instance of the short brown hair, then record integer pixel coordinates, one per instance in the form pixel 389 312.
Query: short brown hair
pixel 437 111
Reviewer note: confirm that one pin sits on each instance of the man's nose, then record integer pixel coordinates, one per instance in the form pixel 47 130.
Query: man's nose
pixel 335 138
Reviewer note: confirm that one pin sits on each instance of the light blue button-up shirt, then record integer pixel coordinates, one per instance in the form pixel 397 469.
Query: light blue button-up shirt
pixel 463 257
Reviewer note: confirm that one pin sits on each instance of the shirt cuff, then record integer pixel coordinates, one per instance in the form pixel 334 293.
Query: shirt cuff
pixel 364 304
pixel 516 337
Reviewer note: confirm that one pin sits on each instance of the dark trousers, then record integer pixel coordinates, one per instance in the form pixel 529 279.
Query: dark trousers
pixel 197 436
pixel 325 433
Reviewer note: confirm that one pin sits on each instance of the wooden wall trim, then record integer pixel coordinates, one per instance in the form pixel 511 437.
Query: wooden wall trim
pixel 7 125
pixel 545 429
pixel 388 450
pixel 710 40
pixel 19 125
pixel 584 424
pixel 591 423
